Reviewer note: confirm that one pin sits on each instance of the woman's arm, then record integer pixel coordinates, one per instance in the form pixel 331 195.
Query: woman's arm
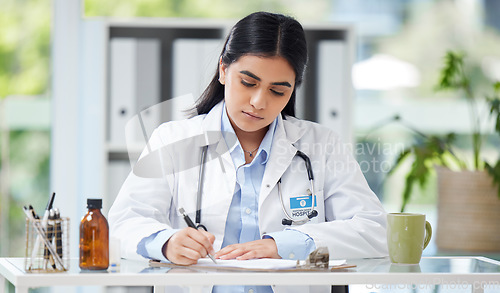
pixel 143 205
pixel 140 209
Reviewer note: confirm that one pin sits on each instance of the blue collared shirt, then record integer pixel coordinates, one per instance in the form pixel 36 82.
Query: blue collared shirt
pixel 242 224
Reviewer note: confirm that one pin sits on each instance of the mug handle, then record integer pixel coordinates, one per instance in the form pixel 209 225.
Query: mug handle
pixel 428 234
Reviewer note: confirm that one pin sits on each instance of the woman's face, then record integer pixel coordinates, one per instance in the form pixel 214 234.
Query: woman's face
pixel 256 90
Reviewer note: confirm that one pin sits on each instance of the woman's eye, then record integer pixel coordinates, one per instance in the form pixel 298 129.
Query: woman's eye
pixel 247 84
pixel 277 93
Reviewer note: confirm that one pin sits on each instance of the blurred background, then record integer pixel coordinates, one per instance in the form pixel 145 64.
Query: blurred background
pixel 399 50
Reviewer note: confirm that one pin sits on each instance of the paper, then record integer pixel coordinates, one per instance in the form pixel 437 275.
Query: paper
pixel 261 263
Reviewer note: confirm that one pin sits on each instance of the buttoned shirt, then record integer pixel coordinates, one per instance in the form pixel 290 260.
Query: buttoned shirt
pixel 242 224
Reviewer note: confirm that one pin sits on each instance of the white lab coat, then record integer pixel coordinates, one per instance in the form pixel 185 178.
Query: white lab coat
pixel 351 221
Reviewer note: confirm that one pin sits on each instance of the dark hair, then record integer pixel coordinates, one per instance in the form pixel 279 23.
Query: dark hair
pixel 261 34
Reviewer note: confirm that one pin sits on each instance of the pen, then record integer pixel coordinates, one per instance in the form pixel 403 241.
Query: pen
pixel 32 211
pixel 192 225
pixel 50 236
pixel 58 232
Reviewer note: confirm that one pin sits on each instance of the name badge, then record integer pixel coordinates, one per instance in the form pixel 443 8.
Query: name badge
pixel 301 205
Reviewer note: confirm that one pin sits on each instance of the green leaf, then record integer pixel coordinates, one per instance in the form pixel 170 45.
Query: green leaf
pixel 495 174
pixel 410 180
pixel 451 75
pixel 495 112
pixel 399 160
pixel 433 150
pixel 420 168
pixel 496 86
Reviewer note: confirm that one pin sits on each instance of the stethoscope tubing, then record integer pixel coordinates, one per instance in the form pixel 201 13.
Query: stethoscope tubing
pixel 201 177
pixel 312 213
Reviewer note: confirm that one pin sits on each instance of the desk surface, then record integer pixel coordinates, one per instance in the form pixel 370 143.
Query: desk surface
pixel 431 271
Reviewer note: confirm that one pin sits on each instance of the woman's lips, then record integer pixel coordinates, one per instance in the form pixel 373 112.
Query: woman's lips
pixel 252 115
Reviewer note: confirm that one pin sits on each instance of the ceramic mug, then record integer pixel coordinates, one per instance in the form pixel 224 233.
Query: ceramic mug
pixel 407 236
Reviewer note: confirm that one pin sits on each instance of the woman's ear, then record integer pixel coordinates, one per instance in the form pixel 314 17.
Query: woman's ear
pixel 222 72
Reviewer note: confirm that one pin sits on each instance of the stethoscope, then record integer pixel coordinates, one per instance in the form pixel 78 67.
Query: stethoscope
pixel 312 212
pixel 288 220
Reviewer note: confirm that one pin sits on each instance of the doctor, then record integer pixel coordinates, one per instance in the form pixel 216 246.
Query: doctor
pixel 252 175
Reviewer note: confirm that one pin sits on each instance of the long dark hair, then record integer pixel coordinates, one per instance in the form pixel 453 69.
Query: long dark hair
pixel 261 34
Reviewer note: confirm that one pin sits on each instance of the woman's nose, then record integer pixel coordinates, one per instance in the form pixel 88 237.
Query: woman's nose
pixel 258 99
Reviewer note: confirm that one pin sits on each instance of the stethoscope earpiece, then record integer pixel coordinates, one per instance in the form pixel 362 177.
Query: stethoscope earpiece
pixel 286 222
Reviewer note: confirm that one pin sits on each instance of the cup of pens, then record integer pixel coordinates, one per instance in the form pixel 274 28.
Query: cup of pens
pixel 47 240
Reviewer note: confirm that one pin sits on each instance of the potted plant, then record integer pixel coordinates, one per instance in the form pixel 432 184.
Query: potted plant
pixel 468 196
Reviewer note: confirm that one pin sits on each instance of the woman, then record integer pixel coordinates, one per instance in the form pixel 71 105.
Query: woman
pixel 252 168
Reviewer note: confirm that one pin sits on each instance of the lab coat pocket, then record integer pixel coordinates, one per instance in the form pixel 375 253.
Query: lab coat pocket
pixel 300 205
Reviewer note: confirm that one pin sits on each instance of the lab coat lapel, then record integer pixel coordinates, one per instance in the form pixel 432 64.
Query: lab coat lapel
pixel 212 126
pixel 282 153
pixel 217 147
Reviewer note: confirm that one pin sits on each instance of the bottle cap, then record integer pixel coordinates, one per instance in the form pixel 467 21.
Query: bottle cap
pixel 94 203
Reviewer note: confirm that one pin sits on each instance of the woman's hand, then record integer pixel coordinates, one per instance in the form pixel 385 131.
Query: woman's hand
pixel 188 245
pixel 263 248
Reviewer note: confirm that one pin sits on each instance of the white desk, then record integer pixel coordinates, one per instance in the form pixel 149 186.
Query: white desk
pixel 475 272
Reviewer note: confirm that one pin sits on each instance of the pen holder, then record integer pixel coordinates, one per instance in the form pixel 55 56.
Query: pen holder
pixel 47 246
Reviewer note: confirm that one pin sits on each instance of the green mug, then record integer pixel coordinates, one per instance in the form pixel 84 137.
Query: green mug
pixel 407 236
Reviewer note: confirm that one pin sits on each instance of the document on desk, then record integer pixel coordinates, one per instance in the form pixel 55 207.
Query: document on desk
pixel 262 264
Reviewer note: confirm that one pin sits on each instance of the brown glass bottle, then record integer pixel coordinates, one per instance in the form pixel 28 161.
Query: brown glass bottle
pixel 94 238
